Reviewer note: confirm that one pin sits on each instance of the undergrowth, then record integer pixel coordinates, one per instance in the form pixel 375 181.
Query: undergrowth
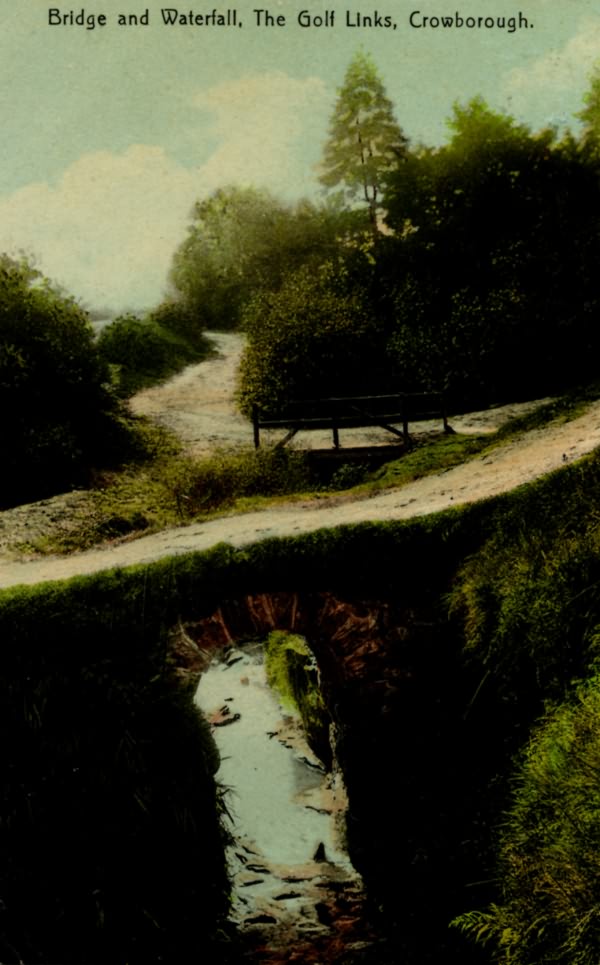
pixel 548 857
pixel 171 489
pixel 142 352
pixel 505 594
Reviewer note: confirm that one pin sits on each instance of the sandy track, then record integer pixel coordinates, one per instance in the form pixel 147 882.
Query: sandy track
pixel 198 403
pixel 522 460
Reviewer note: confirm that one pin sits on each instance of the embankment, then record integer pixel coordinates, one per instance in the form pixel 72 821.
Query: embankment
pixel 438 641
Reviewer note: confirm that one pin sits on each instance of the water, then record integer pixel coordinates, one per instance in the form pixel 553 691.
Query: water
pixel 276 791
pixel 291 900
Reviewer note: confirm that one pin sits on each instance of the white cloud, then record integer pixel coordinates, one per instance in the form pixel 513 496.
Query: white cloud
pixel 263 122
pixel 108 229
pixel 551 81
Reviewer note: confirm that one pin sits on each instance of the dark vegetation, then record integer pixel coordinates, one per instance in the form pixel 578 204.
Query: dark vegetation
pixel 143 351
pixel 60 419
pixel 469 744
pixel 61 391
pixel 111 842
pixel 107 856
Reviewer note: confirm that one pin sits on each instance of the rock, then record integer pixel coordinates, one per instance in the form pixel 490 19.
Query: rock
pixel 319 854
pixel 323 913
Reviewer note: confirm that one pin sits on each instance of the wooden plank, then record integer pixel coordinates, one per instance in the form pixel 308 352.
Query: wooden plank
pixel 349 412
pixel 256 425
pixel 289 435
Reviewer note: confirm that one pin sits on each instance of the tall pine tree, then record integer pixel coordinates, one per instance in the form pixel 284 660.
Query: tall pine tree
pixel 364 140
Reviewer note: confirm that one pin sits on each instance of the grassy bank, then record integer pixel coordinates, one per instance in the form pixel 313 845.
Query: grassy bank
pixel 502 601
pixel 171 489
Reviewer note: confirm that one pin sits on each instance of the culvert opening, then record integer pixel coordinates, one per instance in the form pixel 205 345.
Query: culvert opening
pixel 292 878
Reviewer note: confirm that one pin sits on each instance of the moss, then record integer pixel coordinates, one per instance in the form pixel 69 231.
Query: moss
pixel 293 673
pixel 508 597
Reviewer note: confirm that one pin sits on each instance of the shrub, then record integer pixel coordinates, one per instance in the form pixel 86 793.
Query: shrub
pixel 60 419
pixel 181 320
pixel 216 482
pixel 549 852
pixel 142 352
pixel 307 340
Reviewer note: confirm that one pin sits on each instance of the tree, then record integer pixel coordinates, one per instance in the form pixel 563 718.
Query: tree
pixel 590 115
pixel 59 417
pixel 492 260
pixel 308 340
pixel 365 140
pixel 243 240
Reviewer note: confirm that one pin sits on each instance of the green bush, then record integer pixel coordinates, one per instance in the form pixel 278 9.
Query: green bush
pixel 550 847
pixel 142 352
pixel 217 481
pixel 528 599
pixel 308 340
pixel 179 319
pixel 60 419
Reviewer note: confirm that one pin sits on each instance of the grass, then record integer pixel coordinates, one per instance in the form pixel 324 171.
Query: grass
pixel 172 489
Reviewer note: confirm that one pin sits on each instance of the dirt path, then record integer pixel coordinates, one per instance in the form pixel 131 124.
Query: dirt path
pixel 528 457
pixel 198 403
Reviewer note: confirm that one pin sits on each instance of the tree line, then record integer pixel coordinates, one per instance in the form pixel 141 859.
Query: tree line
pixel 469 268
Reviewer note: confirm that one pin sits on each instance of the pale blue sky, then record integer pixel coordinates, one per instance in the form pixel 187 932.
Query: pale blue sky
pixel 110 134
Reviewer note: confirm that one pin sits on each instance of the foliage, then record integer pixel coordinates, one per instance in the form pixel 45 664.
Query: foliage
pixel 528 599
pixel 243 241
pixel 110 817
pixel 143 352
pixel 292 671
pixel 590 115
pixel 364 140
pixel 492 261
pixel 216 482
pixel 179 318
pixel 548 864
pixel 309 340
pixel 63 420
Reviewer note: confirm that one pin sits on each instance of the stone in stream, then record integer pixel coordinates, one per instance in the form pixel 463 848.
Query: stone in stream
pixel 260 920
pixel 319 854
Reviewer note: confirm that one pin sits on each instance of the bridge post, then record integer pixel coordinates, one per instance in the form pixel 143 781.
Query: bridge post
pixel 256 426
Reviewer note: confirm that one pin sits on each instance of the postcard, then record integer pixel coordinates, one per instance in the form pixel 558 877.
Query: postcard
pixel 162 164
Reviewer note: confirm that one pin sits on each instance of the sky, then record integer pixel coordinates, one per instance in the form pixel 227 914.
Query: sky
pixel 111 132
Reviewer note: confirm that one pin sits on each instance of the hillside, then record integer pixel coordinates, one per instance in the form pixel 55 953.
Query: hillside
pixel 199 405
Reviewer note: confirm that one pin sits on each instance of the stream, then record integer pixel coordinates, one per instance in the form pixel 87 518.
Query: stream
pixel 296 894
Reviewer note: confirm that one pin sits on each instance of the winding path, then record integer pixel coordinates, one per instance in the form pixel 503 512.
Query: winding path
pixel 531 455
